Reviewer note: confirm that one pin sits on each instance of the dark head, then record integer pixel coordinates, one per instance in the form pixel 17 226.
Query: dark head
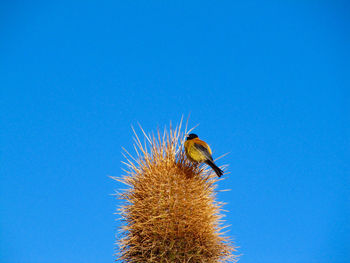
pixel 191 136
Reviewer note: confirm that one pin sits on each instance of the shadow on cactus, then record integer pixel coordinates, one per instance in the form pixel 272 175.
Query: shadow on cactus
pixel 169 213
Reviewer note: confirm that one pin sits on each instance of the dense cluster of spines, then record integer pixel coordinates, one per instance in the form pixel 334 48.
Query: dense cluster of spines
pixel 169 212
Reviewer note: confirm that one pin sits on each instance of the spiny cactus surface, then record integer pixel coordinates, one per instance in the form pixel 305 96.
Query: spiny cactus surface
pixel 170 212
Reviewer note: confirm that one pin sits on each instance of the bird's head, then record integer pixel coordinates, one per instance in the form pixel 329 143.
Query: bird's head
pixel 191 136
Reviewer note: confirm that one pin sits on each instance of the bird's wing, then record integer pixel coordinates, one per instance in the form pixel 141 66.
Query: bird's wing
pixel 205 150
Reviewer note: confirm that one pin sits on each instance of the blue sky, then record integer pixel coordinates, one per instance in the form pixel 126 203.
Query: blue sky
pixel 267 82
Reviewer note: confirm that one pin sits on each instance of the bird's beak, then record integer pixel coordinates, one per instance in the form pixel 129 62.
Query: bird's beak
pixel 187 136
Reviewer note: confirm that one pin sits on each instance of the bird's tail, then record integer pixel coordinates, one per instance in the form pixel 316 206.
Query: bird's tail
pixel 216 169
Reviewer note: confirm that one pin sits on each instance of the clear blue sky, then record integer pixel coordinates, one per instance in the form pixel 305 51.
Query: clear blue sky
pixel 267 82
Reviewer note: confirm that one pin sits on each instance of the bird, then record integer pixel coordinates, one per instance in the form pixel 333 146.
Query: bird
pixel 199 151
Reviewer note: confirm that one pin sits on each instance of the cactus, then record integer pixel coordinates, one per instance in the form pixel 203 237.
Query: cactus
pixel 170 212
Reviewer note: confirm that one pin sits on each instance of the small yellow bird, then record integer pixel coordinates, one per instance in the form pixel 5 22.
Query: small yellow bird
pixel 199 151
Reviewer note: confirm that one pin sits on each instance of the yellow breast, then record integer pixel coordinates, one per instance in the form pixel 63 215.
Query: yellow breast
pixel 193 153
